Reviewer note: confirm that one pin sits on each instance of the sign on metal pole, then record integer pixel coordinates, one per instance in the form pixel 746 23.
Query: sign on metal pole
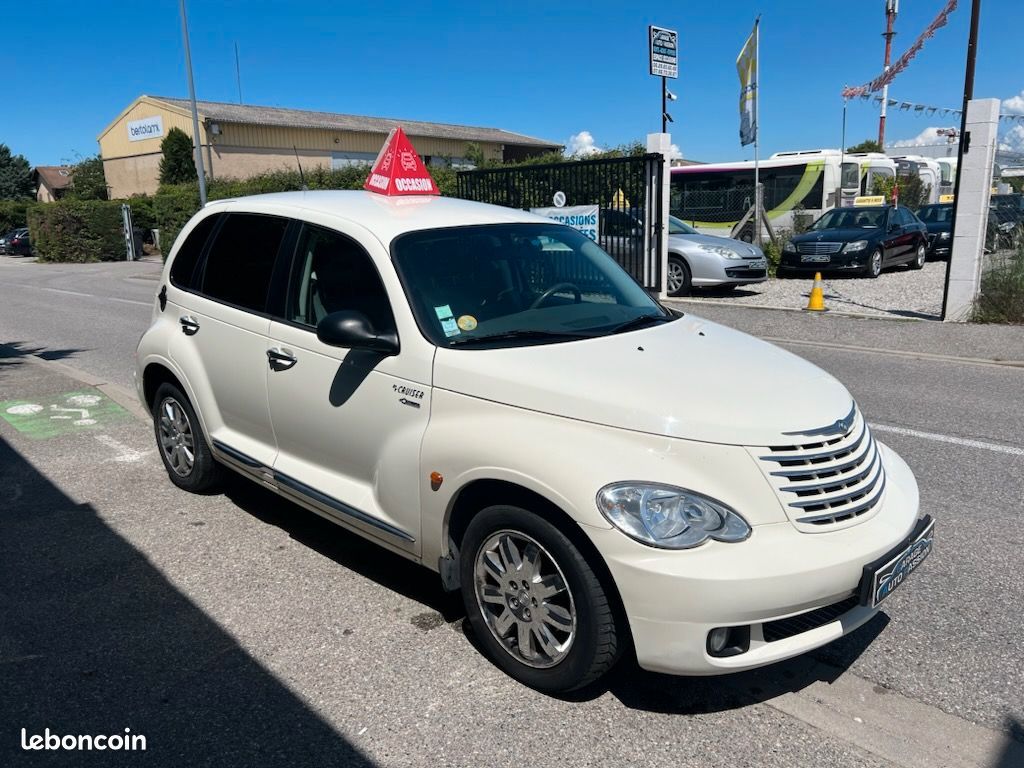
pixel 129 231
pixel 664 52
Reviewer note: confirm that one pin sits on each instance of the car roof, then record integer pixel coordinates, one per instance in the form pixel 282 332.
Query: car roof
pixel 386 217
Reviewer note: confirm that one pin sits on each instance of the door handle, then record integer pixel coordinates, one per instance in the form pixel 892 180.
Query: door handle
pixel 280 360
pixel 189 325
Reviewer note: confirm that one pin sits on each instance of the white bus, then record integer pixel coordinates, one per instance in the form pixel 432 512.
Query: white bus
pixel 714 197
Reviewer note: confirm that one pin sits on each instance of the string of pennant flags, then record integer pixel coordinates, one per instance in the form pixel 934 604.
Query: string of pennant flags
pixel 927 109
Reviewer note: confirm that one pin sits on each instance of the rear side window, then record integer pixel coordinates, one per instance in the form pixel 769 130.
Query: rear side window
pixel 183 270
pixel 241 260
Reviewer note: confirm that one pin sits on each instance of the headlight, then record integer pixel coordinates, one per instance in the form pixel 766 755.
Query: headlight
pixel 789 247
pixel 719 250
pixel 668 517
pixel 943 235
pixel 856 245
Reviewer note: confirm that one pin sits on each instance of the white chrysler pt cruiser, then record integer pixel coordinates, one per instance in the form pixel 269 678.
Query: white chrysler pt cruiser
pixel 486 392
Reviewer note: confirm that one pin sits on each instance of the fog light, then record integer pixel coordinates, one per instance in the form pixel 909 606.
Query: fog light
pixel 728 641
pixel 717 639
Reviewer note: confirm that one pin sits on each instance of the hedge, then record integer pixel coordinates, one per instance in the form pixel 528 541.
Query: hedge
pixel 77 230
pixel 13 214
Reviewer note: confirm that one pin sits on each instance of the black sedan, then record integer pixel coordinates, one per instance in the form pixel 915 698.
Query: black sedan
pixel 16 243
pixel 862 240
pixel 938 219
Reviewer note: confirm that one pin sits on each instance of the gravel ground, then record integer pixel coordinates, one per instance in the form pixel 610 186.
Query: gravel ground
pixel 899 292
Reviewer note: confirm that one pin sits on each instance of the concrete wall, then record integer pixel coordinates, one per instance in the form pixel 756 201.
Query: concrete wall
pixel 243 162
pixel 127 176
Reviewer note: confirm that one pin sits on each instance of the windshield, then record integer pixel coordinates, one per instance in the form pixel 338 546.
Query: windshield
pixel 850 176
pixel 851 218
pixel 516 284
pixel 680 227
pixel 936 214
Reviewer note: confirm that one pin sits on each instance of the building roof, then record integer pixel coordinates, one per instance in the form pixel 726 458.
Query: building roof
pixel 386 217
pixel 248 114
pixel 54 176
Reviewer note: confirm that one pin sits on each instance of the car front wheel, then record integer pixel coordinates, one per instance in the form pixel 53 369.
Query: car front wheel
pixel 920 256
pixel 679 277
pixel 874 266
pixel 534 603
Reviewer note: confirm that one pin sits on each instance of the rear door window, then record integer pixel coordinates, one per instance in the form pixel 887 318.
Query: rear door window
pixel 183 271
pixel 241 260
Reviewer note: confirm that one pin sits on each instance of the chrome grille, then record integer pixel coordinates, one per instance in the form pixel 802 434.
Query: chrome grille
pixel 818 249
pixel 832 480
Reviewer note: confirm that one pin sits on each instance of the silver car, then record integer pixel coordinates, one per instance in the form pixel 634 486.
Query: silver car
pixel 706 261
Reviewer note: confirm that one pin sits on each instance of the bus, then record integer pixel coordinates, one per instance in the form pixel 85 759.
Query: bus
pixel 714 198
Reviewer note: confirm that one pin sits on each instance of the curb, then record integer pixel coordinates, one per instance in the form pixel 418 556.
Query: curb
pixel 801 310
pixel 123 396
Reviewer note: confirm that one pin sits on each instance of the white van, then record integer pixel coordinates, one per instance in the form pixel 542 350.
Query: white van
pixel 486 392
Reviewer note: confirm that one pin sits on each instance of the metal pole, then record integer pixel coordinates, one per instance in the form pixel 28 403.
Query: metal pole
pixel 972 53
pixel 196 139
pixel 238 74
pixel 891 9
pixel 758 198
pixel 664 105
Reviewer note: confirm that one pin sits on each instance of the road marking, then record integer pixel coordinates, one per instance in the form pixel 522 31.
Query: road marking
pixel 84 295
pixel 124 452
pixel 1010 449
pixel 50 415
pixel 905 353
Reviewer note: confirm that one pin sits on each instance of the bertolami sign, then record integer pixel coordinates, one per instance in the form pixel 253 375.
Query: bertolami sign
pixel 145 128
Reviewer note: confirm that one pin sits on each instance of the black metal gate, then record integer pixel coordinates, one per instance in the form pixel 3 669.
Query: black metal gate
pixel 627 191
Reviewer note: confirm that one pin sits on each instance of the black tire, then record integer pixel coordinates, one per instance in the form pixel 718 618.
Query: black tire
pixel 595 644
pixel 678 266
pixel 203 473
pixel 920 256
pixel 874 266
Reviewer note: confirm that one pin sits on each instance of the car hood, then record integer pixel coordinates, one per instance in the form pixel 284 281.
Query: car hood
pixel 683 241
pixel 844 235
pixel 689 378
pixel 938 226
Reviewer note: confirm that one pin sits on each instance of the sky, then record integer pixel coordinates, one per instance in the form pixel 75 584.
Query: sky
pixel 573 73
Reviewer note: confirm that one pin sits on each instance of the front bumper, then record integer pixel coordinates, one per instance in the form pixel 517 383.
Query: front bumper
pixel 837 261
pixel 673 599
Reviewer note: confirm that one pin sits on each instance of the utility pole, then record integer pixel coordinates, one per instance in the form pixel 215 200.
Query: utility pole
pixel 892 7
pixel 965 137
pixel 197 141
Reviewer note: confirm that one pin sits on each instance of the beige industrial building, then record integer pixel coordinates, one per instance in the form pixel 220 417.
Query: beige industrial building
pixel 240 140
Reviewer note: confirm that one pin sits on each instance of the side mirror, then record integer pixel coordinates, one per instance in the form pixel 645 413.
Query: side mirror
pixel 354 330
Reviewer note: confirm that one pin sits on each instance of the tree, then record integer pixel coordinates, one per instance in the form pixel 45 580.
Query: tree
pixel 87 180
pixel 178 163
pixel 913 192
pixel 15 176
pixel 868 145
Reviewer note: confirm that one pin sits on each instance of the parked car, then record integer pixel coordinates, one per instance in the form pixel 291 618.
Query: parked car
pixel 938 218
pixel 591 470
pixel 865 240
pixel 16 243
pixel 706 261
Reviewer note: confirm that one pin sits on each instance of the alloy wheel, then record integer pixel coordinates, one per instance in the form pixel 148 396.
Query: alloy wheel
pixel 524 599
pixel 922 256
pixel 675 276
pixel 177 440
pixel 875 266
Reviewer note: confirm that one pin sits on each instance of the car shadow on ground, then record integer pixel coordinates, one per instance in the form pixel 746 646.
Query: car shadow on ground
pixel 723 293
pixel 11 350
pixel 634 687
pixel 95 640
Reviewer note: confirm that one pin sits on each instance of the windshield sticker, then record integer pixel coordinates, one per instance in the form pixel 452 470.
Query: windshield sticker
pixel 467 322
pixel 443 312
pixel 449 327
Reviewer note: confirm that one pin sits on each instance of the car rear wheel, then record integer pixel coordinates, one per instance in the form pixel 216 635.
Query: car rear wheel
pixel 181 442
pixel 920 257
pixel 874 266
pixel 679 277
pixel 534 603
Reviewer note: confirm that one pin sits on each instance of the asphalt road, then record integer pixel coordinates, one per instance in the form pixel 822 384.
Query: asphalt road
pixel 239 629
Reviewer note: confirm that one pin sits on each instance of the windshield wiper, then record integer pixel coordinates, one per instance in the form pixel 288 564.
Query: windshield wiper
pixel 638 322
pixel 520 333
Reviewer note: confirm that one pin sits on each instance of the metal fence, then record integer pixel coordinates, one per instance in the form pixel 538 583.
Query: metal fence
pixel 627 191
pixel 1001 298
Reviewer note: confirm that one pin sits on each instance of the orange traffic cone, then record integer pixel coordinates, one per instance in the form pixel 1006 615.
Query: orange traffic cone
pixel 816 301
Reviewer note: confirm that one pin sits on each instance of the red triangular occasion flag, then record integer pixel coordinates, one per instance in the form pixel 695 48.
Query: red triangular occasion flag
pixel 398 170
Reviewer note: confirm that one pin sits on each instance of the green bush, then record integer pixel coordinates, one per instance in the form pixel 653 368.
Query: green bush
pixel 1002 292
pixel 13 214
pixel 77 231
